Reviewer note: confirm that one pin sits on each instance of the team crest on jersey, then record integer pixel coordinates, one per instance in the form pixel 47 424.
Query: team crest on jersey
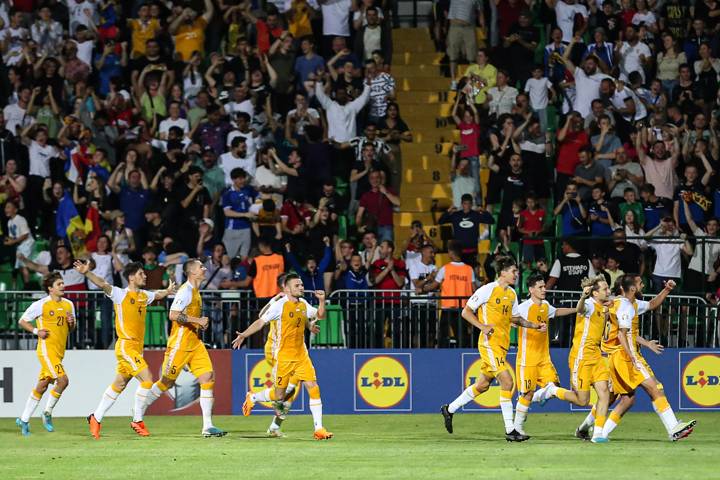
pixel 700 381
pixel 382 382
pixel 291 314
pixel 132 301
pixel 52 313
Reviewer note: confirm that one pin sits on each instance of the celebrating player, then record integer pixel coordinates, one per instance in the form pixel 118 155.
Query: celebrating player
pixel 533 366
pixel 292 314
pixel 628 369
pixel 185 348
pixel 497 307
pixel 130 305
pixel 55 317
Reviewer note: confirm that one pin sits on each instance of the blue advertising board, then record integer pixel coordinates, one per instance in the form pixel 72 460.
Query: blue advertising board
pixel 419 381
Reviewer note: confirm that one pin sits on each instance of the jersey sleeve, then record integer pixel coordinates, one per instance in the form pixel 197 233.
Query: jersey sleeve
pixel 440 275
pixel 273 313
pixel 150 296
pixel 33 311
pixel 182 299
pixel 551 310
pixel 625 314
pixel 589 308
pixel 72 308
pixel 524 309
pixel 311 311
pixel 642 306
pixel 117 295
pixel 481 296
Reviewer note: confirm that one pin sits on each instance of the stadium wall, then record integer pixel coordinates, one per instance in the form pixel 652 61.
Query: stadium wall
pixel 352 381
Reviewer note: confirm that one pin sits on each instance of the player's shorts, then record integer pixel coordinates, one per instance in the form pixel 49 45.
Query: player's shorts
pixel 129 356
pixel 268 355
pixel 197 360
pixel 493 361
pixel 625 376
pixel 302 370
pixel 585 373
pixel 528 377
pixel 51 367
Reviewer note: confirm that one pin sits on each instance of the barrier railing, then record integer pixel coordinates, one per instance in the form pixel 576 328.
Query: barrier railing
pixel 355 319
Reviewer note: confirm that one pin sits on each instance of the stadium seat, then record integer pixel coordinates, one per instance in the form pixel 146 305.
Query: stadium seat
pixel 331 329
pixel 155 332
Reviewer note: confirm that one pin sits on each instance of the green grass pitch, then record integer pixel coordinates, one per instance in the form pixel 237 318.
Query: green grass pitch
pixel 365 447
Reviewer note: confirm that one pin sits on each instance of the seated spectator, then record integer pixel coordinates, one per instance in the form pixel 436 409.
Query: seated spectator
pixel 588 175
pixel 612 268
pixel 623 174
pixel 630 203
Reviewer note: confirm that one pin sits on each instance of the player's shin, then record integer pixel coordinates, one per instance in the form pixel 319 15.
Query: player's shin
pixel 154 393
pixel 141 400
pixel 507 409
pixel 30 406
pixel 589 420
pixel 612 422
pixel 265 395
pixel 465 397
pixel 206 403
pixel 52 401
pixel 665 412
pixel 521 412
pixel 316 406
pixel 108 399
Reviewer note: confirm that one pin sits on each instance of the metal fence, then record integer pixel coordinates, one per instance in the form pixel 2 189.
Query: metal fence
pixel 355 319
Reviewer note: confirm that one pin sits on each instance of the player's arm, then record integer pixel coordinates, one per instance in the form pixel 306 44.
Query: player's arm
pixel 469 315
pixel 83 267
pixel 183 319
pixel 320 295
pixel 27 319
pixel 521 322
pixel 623 336
pixel 653 345
pixel 581 301
pixel 561 312
pixel 170 290
pixel 658 300
pixel 254 327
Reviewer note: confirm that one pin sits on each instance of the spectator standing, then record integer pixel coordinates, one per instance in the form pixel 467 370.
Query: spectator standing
pixel 531 227
pixel 236 203
pixel 461 38
pixel 376 208
pixel 628 254
pixel 569 269
pixel 573 212
pixel 388 273
pixel 668 265
pixel 588 174
pixel 336 22
pixel 701 274
pixel 466 228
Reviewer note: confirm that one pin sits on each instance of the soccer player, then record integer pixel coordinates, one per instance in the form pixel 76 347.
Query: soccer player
pixel 186 348
pixel 55 317
pixel 130 304
pixel 292 314
pixel 628 369
pixel 497 307
pixel 533 366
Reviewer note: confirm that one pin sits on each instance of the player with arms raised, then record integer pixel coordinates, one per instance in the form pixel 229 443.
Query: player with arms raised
pixel 292 314
pixel 497 307
pixel 130 305
pixel 186 348
pixel 55 317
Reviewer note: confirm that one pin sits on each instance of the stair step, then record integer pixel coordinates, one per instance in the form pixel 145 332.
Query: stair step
pixel 422 83
pixel 415 58
pixel 404 219
pixel 419 34
pixel 427 111
pixel 438 173
pixel 424 204
pixel 426 162
pixel 417 70
pixel 430 149
pixel 438 134
pixel 406 99
pixel 435 190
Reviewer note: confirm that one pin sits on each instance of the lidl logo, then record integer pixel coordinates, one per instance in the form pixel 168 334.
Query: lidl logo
pixel 260 378
pixel 382 382
pixel 258 375
pixel 701 380
pixel 472 369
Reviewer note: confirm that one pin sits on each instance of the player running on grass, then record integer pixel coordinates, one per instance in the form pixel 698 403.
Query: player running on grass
pixel 130 305
pixel 186 348
pixel 497 307
pixel 55 317
pixel 628 369
pixel 292 314
pixel 533 366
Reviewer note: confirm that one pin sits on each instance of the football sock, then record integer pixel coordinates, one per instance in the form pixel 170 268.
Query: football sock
pixel 316 406
pixel 507 410
pixel 599 424
pixel 589 420
pixel 206 403
pixel 262 396
pixel 141 398
pixel 291 392
pixel 561 392
pixel 31 405
pixel 276 423
pixel 465 397
pixel 52 401
pixel 665 412
pixel 108 399
pixel 612 422
pixel 521 412
pixel 155 392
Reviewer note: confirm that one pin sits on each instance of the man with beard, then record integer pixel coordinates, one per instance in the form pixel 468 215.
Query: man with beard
pixel 587 79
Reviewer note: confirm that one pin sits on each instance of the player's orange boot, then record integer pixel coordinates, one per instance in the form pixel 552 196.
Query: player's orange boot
pixel 322 434
pixel 248 404
pixel 94 426
pixel 140 428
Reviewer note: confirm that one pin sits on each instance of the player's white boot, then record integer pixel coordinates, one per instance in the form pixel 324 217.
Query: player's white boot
pixel 682 430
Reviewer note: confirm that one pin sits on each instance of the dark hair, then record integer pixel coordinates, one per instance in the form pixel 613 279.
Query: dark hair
pixel 281 280
pixel 624 283
pixel 390 244
pixel 535 278
pixel 466 197
pixel 50 279
pixel 648 187
pixel 237 141
pixel 454 248
pixel 291 276
pixel 131 269
pixel 244 115
pixel 238 172
pixel 504 263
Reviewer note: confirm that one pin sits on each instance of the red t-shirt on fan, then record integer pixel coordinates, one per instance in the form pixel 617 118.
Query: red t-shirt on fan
pixel 388 283
pixel 568 151
pixel 532 222
pixel 470 137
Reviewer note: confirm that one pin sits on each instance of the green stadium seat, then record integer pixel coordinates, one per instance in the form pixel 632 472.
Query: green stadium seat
pixel 155 334
pixel 331 329
pixel 342 226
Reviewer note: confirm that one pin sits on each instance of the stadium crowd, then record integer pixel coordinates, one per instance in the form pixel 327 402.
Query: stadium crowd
pixel 267 137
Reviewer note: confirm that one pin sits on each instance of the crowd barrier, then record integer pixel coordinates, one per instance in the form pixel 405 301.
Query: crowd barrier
pixel 352 381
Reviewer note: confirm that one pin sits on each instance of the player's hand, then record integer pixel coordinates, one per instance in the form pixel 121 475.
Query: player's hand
pixel 487 329
pixel 670 284
pixel 71 321
pixel 656 347
pixel 82 266
pixel 320 295
pixel 42 333
pixel 542 328
pixel 586 292
pixel 314 328
pixel 203 323
pixel 238 341
pixel 172 287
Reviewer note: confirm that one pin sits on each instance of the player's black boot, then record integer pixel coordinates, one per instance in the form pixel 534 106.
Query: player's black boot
pixel 448 417
pixel 516 436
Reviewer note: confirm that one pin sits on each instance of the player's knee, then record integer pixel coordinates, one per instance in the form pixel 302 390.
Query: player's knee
pixel 166 383
pixel 62 382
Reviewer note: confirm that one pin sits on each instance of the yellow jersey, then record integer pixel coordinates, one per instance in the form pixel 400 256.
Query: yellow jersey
pixel 589 328
pixel 130 310
pixel 186 336
pixel 141 33
pixel 495 306
pixel 190 38
pixel 51 316
pixel 290 319
pixel 624 314
pixel 533 345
